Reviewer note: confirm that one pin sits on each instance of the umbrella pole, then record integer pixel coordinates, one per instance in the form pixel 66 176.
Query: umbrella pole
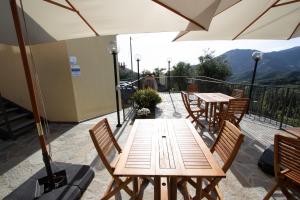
pixel 46 157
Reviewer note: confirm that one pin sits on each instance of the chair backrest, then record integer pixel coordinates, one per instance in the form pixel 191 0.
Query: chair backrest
pixel 227 144
pixel 185 102
pixel 104 141
pixel 286 155
pixel 236 110
pixel 192 88
pixel 237 93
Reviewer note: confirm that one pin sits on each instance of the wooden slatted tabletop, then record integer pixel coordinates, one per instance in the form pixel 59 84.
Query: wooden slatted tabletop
pixel 166 148
pixel 213 99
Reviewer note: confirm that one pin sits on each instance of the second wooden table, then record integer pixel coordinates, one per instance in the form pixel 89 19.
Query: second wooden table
pixel 213 99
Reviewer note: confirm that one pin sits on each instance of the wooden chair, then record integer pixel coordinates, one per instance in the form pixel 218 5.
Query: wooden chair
pixel 226 146
pixel 286 165
pixel 234 112
pixel 193 111
pixel 104 142
pixel 191 89
pixel 237 93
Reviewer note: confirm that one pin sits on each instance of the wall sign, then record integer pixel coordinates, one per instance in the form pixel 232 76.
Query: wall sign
pixel 75 68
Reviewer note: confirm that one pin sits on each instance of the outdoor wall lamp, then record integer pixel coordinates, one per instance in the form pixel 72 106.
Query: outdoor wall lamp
pixel 257 56
pixel 169 59
pixel 138 58
pixel 113 49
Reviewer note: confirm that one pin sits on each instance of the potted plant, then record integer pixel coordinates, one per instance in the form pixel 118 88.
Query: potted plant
pixel 146 99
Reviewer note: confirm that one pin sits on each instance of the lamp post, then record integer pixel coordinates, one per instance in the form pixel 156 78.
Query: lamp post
pixel 113 49
pixel 132 74
pixel 138 59
pixel 169 75
pixel 257 56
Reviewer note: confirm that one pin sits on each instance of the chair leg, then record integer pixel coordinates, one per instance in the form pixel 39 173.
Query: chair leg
pixel 270 193
pixel 143 186
pixel 118 186
pixel 184 191
pixel 219 193
pixel 286 193
pixel 110 185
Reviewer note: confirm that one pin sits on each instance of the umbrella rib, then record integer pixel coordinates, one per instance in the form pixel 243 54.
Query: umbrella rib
pixel 256 19
pixel 180 14
pixel 85 21
pixel 286 3
pixel 73 9
pixel 180 35
pixel 294 31
pixel 60 5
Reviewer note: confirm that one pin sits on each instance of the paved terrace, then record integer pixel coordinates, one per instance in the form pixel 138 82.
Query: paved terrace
pixel 71 143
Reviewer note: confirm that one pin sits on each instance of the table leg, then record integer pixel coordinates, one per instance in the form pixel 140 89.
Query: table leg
pixel 173 188
pixel 215 111
pixel 198 188
pixel 156 188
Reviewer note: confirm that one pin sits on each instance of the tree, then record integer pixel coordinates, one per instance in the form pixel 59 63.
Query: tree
pixel 181 69
pixel 146 72
pixel 158 71
pixel 214 67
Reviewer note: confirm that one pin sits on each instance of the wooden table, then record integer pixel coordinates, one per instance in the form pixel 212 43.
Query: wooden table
pixel 213 99
pixel 166 148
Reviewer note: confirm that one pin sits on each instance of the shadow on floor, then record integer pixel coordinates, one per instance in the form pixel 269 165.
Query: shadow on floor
pixel 13 152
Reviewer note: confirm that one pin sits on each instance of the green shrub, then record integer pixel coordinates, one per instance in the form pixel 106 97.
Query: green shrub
pixel 146 98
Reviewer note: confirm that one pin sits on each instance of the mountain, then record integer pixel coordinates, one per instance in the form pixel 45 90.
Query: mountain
pixel 278 67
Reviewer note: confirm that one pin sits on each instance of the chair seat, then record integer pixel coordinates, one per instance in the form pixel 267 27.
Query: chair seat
pixel 114 162
pixel 293 176
pixel 197 108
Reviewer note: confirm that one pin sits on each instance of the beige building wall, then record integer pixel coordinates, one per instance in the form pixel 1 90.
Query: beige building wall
pixel 94 88
pixel 12 79
pixel 54 76
pixel 66 98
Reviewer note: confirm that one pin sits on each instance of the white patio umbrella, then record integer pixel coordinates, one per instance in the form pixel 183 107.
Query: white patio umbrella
pixel 54 20
pixel 252 19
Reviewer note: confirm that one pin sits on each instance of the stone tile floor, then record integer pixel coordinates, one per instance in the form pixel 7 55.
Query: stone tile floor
pixel 71 143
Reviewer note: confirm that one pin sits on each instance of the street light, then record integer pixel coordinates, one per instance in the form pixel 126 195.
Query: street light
pixel 169 78
pixel 113 49
pixel 138 59
pixel 257 56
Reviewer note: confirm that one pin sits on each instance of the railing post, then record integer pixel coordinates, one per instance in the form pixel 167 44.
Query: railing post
pixel 284 108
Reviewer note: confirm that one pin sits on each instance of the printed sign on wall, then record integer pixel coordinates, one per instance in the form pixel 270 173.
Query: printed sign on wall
pixel 75 68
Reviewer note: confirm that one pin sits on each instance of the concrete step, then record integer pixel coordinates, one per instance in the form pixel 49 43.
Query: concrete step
pixel 14 117
pixel 9 110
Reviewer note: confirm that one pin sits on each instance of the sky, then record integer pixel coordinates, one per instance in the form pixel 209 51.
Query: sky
pixel 156 48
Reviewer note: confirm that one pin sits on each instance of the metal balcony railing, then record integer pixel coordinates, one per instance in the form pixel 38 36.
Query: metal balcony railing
pixel 127 89
pixel 277 105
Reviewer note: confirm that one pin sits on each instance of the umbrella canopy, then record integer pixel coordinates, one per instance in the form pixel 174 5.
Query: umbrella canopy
pixel 252 19
pixel 198 12
pixel 53 20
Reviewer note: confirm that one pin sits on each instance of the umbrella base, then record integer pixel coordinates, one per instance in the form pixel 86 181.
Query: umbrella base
pixel 78 179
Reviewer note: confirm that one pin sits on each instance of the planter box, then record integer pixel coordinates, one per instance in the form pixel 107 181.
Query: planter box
pixel 150 116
